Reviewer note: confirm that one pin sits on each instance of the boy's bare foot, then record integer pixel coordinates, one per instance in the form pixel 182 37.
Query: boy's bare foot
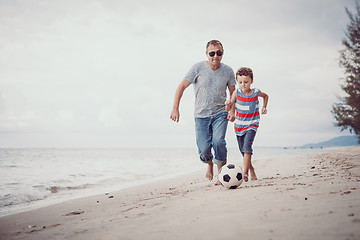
pixel 252 173
pixel 217 183
pixel 210 171
pixel 246 178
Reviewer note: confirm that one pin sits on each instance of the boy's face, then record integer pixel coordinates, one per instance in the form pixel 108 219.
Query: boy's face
pixel 244 82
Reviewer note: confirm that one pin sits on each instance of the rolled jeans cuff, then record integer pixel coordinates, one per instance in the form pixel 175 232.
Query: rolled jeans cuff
pixel 219 163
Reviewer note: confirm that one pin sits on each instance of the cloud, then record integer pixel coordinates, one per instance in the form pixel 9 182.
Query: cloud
pixel 104 73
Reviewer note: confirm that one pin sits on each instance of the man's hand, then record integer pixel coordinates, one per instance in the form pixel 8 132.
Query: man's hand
pixel 175 115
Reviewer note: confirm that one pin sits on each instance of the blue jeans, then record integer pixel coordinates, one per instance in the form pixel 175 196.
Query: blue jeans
pixel 210 133
pixel 245 142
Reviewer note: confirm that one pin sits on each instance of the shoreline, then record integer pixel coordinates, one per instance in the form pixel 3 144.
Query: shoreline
pixel 37 204
pixel 299 197
pixel 73 190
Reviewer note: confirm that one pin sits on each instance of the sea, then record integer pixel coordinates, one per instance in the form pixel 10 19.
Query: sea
pixel 33 178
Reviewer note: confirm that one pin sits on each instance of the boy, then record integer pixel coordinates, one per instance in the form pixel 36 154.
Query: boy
pixel 245 101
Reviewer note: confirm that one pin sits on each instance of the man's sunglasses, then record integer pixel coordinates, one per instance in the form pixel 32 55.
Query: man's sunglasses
pixel 218 52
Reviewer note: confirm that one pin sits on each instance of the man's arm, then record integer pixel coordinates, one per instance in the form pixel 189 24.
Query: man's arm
pixel 175 114
pixel 231 90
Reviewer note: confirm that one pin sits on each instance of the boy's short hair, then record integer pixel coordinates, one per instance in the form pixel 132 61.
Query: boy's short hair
pixel 245 71
pixel 214 43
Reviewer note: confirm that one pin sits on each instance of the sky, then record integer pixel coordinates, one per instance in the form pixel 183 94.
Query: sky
pixel 103 73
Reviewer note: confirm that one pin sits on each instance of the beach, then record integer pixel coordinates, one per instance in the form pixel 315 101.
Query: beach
pixel 295 197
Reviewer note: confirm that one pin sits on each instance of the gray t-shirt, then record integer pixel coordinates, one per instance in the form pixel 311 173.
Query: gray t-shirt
pixel 210 87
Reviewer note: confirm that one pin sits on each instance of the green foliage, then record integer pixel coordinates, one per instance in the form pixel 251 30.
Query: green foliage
pixel 347 110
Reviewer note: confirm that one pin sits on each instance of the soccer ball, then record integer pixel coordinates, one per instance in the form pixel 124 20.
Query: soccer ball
pixel 230 176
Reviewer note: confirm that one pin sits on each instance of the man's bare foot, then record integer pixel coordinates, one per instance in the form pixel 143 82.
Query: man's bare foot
pixel 246 178
pixel 217 176
pixel 210 171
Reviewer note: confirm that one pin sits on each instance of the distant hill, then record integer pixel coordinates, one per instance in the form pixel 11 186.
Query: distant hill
pixel 335 142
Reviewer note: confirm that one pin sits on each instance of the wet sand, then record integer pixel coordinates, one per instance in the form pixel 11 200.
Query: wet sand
pixel 302 197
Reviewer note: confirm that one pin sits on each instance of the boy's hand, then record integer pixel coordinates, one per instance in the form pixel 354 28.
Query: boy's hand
pixel 263 110
pixel 231 116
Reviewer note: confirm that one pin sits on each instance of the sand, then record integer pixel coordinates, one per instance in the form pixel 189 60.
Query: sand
pixel 307 197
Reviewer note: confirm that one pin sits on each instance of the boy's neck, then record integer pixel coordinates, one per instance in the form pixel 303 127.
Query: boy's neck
pixel 248 92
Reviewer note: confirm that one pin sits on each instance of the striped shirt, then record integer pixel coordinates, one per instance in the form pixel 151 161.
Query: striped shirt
pixel 247 115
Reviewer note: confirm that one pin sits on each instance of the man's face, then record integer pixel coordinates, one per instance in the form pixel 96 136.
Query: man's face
pixel 215 59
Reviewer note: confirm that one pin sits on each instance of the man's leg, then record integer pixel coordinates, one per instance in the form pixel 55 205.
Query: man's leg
pixel 219 127
pixel 204 143
pixel 210 172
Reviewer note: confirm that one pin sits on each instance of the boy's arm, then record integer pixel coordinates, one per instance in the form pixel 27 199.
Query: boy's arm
pixel 266 99
pixel 229 103
pixel 175 114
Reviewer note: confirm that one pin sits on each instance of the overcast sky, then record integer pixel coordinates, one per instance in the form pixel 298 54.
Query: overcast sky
pixel 103 73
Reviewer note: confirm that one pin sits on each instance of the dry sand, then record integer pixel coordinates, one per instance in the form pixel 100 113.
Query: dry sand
pixel 308 197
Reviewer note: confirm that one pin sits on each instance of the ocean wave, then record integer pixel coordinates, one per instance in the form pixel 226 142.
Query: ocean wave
pixel 38 192
pixel 56 189
pixel 7 200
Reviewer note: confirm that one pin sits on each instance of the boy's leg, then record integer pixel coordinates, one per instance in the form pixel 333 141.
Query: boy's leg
pixel 252 172
pixel 240 140
pixel 248 166
pixel 203 142
pixel 248 151
pixel 247 163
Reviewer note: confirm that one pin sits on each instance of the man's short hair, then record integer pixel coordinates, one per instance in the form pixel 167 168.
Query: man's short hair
pixel 214 43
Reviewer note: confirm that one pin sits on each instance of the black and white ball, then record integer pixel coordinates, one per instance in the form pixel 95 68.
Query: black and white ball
pixel 230 176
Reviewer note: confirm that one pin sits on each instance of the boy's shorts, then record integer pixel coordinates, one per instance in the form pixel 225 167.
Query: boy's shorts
pixel 245 142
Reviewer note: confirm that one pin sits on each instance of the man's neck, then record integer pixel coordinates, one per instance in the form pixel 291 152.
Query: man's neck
pixel 213 67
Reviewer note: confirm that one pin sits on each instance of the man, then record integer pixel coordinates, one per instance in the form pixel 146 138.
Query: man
pixel 210 79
